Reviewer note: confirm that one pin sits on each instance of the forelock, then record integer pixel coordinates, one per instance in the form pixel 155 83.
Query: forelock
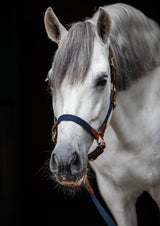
pixel 74 55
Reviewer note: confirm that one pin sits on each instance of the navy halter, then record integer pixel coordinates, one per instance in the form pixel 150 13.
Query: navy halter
pixel 97 135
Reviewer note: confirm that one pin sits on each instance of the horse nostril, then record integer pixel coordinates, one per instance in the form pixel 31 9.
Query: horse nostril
pixel 69 163
pixel 75 164
pixel 53 164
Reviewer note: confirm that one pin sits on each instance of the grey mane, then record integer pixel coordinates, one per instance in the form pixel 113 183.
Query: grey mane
pixel 134 41
pixel 74 54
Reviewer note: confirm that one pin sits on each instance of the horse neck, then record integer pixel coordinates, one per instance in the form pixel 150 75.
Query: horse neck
pixel 132 120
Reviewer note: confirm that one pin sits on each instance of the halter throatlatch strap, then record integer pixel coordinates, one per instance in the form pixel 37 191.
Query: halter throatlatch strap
pixel 97 135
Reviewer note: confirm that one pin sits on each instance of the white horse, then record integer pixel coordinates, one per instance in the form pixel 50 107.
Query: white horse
pixel 80 80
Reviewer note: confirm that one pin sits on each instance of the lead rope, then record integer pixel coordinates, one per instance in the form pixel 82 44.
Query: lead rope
pixel 99 207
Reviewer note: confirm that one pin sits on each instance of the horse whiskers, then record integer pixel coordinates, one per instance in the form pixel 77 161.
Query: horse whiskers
pixel 44 170
pixel 72 190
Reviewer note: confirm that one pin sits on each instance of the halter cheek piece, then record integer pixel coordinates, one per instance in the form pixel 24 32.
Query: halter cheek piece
pixel 97 135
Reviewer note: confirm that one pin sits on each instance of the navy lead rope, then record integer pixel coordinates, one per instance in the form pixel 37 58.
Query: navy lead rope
pixel 99 207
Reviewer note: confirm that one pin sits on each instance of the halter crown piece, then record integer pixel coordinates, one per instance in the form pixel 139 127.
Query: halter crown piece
pixel 97 135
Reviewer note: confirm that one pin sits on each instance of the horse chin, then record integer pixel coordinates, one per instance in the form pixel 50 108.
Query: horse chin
pixel 76 183
pixel 71 186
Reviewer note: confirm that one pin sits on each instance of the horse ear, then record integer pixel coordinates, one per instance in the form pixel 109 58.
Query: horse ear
pixel 54 28
pixel 103 25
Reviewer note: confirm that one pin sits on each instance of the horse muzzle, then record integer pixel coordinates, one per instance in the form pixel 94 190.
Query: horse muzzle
pixel 68 167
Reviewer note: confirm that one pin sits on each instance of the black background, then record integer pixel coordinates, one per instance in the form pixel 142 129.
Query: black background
pixel 26 195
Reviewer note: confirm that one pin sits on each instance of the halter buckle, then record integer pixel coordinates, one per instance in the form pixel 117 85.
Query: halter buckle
pixel 113 63
pixel 54 136
pixel 100 140
pixel 99 149
pixel 114 94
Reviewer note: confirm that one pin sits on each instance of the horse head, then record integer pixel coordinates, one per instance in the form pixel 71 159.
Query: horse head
pixel 80 81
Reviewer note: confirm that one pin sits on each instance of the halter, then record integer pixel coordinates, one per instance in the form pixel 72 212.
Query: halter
pixel 97 135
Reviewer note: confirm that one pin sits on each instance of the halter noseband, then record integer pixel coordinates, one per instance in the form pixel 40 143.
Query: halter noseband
pixel 97 135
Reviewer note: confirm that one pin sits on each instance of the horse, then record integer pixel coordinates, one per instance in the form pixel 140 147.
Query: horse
pixel 116 49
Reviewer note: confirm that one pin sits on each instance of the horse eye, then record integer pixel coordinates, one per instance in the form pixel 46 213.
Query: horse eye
pixel 101 81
